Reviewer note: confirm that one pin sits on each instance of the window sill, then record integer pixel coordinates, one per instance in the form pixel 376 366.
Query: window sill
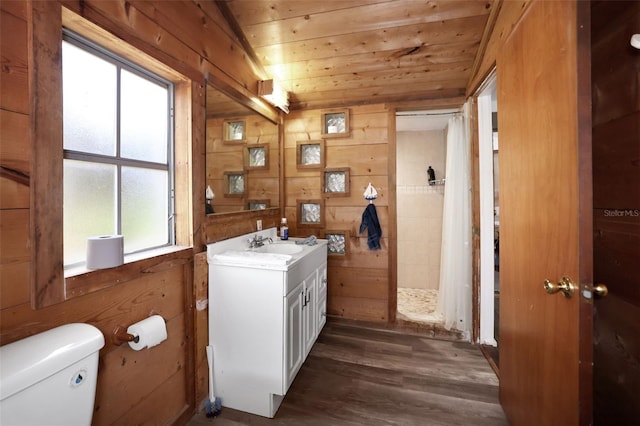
pixel 80 281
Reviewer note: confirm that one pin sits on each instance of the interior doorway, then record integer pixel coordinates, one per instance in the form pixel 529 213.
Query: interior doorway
pixel 421 139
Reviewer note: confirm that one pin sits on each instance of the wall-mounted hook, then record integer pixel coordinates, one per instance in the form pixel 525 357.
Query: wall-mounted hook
pixel 370 193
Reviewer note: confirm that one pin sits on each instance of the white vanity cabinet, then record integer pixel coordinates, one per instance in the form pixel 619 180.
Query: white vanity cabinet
pixel 263 321
pixel 305 316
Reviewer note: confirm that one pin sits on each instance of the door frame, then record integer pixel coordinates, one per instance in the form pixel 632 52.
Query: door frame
pixel 585 206
pixel 486 208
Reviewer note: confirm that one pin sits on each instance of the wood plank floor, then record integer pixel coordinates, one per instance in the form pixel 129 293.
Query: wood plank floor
pixel 366 376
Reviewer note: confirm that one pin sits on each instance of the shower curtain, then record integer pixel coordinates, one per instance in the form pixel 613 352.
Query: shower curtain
pixel 454 295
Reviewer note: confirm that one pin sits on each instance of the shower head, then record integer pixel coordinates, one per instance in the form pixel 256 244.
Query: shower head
pixel 635 41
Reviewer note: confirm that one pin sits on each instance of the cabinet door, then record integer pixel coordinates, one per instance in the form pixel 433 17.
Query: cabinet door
pixel 294 333
pixel 322 279
pixel 321 307
pixel 310 305
pixel 321 313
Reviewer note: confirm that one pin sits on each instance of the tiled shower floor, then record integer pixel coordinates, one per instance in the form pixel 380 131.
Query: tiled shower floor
pixel 418 305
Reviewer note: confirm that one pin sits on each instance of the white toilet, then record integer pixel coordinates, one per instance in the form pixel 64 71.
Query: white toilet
pixel 50 378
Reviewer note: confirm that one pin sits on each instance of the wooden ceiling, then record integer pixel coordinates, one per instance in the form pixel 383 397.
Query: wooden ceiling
pixel 333 53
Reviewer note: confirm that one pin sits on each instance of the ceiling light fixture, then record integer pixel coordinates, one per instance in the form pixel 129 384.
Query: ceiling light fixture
pixel 273 93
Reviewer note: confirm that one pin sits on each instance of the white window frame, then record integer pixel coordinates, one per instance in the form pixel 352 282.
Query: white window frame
pixel 118 161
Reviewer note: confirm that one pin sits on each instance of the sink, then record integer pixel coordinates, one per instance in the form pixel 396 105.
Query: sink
pixel 280 248
pixel 253 257
pixel 275 254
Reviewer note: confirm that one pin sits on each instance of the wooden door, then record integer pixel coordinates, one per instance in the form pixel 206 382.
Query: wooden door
pixel 545 184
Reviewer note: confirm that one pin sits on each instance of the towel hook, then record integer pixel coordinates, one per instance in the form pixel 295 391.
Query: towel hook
pixel 370 193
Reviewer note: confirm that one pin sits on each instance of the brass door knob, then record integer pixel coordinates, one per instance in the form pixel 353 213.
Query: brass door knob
pixel 565 286
pixel 600 290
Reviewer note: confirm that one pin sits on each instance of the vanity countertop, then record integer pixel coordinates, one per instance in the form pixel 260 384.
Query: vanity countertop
pixel 277 254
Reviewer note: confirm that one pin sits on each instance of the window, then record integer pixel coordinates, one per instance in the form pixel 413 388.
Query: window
pixel 234 184
pixel 50 282
pixel 310 212
pixel 234 131
pixel 310 154
pixel 118 151
pixel 335 124
pixel 336 182
pixel 257 157
pixel 337 243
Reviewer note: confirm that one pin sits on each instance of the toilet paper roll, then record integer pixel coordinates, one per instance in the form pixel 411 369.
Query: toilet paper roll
pixel 106 251
pixel 150 332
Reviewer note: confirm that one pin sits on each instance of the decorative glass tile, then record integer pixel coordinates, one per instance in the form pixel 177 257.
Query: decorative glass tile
pixel 236 130
pixel 236 184
pixel 335 123
pixel 335 182
pixel 310 213
pixel 256 205
pixel 257 157
pixel 310 154
pixel 336 243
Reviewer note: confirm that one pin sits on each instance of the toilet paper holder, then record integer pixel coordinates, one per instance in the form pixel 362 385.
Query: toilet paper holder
pixel 121 336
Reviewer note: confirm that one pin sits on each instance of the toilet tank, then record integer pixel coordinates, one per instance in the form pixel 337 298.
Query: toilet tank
pixel 50 378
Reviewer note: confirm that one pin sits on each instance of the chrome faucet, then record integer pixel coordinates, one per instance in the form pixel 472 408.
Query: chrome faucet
pixel 258 241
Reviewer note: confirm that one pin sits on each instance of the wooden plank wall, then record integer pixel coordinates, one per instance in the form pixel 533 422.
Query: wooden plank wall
pixel 229 156
pixel 358 283
pixel 201 289
pixel 153 386
pixel 616 202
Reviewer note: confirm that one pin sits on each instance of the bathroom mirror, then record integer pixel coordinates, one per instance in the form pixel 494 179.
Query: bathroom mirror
pixel 241 155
